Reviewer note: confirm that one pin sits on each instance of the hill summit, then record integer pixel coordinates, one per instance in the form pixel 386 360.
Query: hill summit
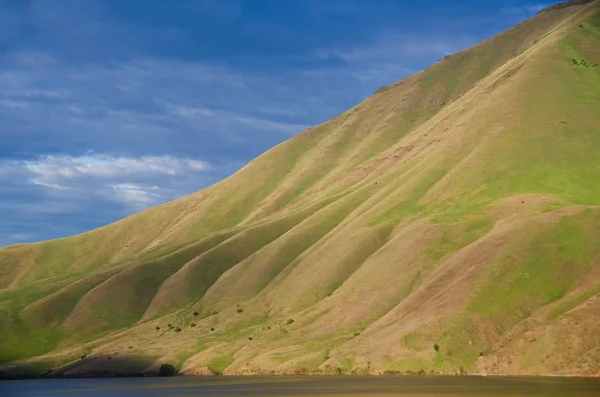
pixel 449 223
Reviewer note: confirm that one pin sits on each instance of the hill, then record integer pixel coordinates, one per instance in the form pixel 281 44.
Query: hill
pixel 449 223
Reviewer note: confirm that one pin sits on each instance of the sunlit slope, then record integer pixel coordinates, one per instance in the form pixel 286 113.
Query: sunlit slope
pixel 449 222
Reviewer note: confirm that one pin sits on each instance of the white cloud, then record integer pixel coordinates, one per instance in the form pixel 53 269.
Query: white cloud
pixel 56 171
pixel 401 47
pixel 8 103
pixel 29 58
pixel 42 94
pixel 135 194
pixel 288 128
pixel 188 111
pixel 137 182
pixel 71 194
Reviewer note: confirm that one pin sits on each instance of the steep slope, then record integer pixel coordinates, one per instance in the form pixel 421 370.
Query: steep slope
pixel 448 223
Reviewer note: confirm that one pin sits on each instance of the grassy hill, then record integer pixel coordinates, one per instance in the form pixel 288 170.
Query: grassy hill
pixel 449 223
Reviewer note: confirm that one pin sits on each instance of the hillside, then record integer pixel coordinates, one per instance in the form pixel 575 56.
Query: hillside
pixel 448 223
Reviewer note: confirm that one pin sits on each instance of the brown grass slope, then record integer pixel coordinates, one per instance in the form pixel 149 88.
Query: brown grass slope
pixel 448 223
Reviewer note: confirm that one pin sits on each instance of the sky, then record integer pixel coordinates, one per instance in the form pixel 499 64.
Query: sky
pixel 108 107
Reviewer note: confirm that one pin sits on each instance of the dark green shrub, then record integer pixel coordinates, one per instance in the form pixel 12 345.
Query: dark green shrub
pixel 167 370
pixel 239 310
pixel 290 321
pixel 215 313
pixel 158 328
pixel 436 347
pixel 177 329
pixel 196 314
pixel 192 325
pixel 356 333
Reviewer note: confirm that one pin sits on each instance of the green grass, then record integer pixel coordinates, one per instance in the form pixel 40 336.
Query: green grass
pixel 594 19
pixel 220 363
pixel 313 229
pixel 10 261
pixel 240 199
pixel 573 302
pixel 453 239
pixel 412 340
pixel 20 341
pixel 541 268
pixel 408 201
pixel 204 271
pixel 460 345
pixel 54 309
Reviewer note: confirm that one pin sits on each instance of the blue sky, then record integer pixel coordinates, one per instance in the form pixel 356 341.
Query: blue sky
pixel 108 107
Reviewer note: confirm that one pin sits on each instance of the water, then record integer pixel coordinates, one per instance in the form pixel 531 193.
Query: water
pixel 306 386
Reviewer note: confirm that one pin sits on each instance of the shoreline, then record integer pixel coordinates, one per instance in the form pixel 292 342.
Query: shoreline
pixel 154 374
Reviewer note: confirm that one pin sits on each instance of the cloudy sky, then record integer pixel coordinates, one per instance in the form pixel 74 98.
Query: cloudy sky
pixel 108 107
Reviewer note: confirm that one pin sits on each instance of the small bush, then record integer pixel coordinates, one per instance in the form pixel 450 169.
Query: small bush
pixel 436 347
pixel 249 338
pixel 158 328
pixel 167 370
pixel 356 334
pixel 215 313
pixel 177 329
pixel 212 329
pixel 196 314
pixel 131 347
pixel 192 325
pixel 290 321
pixel 239 310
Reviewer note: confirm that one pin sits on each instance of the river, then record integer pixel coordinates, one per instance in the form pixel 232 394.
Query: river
pixel 306 386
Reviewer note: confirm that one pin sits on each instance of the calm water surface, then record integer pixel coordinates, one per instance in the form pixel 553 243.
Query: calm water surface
pixel 306 386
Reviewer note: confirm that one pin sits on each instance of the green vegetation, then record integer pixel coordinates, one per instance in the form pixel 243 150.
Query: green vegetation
pixel 167 370
pixel 540 269
pixel 220 363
